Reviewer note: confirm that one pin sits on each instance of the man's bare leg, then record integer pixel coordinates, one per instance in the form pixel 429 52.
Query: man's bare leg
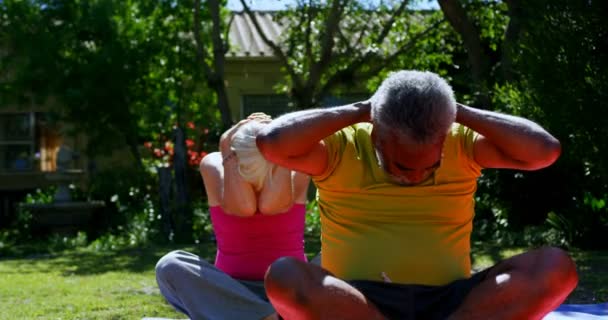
pixel 303 291
pixel 526 286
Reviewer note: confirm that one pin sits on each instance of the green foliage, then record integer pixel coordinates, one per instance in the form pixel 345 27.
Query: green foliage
pixel 8 240
pixel 125 73
pixel 313 219
pixel 551 68
pixel 563 84
pixel 202 228
pixel 115 70
pixel 435 51
pixel 22 226
pixel 335 47
pixel 132 217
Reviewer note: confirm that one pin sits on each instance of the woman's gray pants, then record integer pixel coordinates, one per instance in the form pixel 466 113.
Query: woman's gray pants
pixel 200 290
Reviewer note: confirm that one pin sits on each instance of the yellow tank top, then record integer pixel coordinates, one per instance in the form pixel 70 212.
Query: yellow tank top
pixel 414 234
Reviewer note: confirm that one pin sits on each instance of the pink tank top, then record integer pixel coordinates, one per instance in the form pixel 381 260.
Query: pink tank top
pixel 246 246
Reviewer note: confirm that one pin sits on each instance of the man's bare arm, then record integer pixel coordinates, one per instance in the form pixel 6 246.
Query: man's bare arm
pixel 295 141
pixel 508 141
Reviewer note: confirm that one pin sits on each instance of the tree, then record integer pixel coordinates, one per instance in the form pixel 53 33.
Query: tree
pixel 108 68
pixel 214 71
pixel 120 72
pixel 544 60
pixel 333 45
pixel 478 58
pixel 562 65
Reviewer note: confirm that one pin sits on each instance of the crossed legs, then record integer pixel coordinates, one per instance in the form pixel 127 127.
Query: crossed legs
pixel 526 286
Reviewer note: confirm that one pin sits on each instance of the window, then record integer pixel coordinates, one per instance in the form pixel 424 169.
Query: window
pixel 271 104
pixel 276 105
pixel 17 142
pixel 332 101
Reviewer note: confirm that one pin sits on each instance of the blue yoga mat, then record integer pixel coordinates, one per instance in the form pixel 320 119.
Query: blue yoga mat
pixel 579 312
pixel 564 312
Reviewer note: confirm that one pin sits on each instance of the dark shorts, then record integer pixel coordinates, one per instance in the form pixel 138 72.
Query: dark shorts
pixel 405 302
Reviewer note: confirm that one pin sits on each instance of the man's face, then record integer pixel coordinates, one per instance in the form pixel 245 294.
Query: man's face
pixel 406 162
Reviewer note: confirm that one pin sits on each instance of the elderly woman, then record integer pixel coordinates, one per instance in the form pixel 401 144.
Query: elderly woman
pixel 257 212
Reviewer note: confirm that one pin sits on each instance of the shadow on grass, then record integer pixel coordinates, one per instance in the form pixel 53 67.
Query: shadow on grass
pixel 85 262
pixel 88 262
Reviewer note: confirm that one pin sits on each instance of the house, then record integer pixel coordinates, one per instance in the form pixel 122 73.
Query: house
pixel 29 144
pixel 252 71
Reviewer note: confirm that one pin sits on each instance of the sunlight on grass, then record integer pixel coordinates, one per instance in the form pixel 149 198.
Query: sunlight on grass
pixel 591 267
pixel 121 284
pixel 82 286
pixel 487 256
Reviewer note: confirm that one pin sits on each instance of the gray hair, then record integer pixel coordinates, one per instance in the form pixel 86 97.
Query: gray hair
pixel 414 104
pixel 253 167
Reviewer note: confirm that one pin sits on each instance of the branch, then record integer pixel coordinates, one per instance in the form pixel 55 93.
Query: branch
pixel 511 36
pixel 356 64
pixel 332 23
pixel 275 48
pixel 411 43
pixel 349 47
pixel 308 44
pixel 361 35
pixel 218 45
pixel 389 24
pixel 226 43
pixel 461 23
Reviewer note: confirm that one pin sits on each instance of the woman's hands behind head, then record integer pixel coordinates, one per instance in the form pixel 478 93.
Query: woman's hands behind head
pixel 269 188
pixel 226 138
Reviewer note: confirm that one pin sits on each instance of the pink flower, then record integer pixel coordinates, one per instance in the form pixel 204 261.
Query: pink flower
pixel 168 146
pixel 158 152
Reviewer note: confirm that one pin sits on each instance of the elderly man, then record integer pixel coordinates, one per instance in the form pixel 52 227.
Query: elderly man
pixel 396 203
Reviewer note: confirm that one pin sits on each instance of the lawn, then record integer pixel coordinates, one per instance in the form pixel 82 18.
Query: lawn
pixel 120 285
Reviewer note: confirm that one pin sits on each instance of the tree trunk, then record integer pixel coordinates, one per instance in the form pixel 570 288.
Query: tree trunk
pixel 165 183
pixel 183 212
pixel 511 37
pixel 471 37
pixel 305 98
pixel 215 72
pixel 134 149
pixel 219 50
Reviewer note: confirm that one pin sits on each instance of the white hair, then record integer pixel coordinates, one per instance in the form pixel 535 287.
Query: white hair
pixel 414 104
pixel 253 167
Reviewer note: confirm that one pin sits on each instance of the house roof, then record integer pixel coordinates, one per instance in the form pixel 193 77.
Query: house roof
pixel 245 41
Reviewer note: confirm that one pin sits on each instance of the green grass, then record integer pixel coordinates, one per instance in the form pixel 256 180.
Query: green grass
pixel 121 285
pixel 592 267
pixel 83 285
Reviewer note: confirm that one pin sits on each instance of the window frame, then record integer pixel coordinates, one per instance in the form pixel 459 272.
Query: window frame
pixel 31 143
